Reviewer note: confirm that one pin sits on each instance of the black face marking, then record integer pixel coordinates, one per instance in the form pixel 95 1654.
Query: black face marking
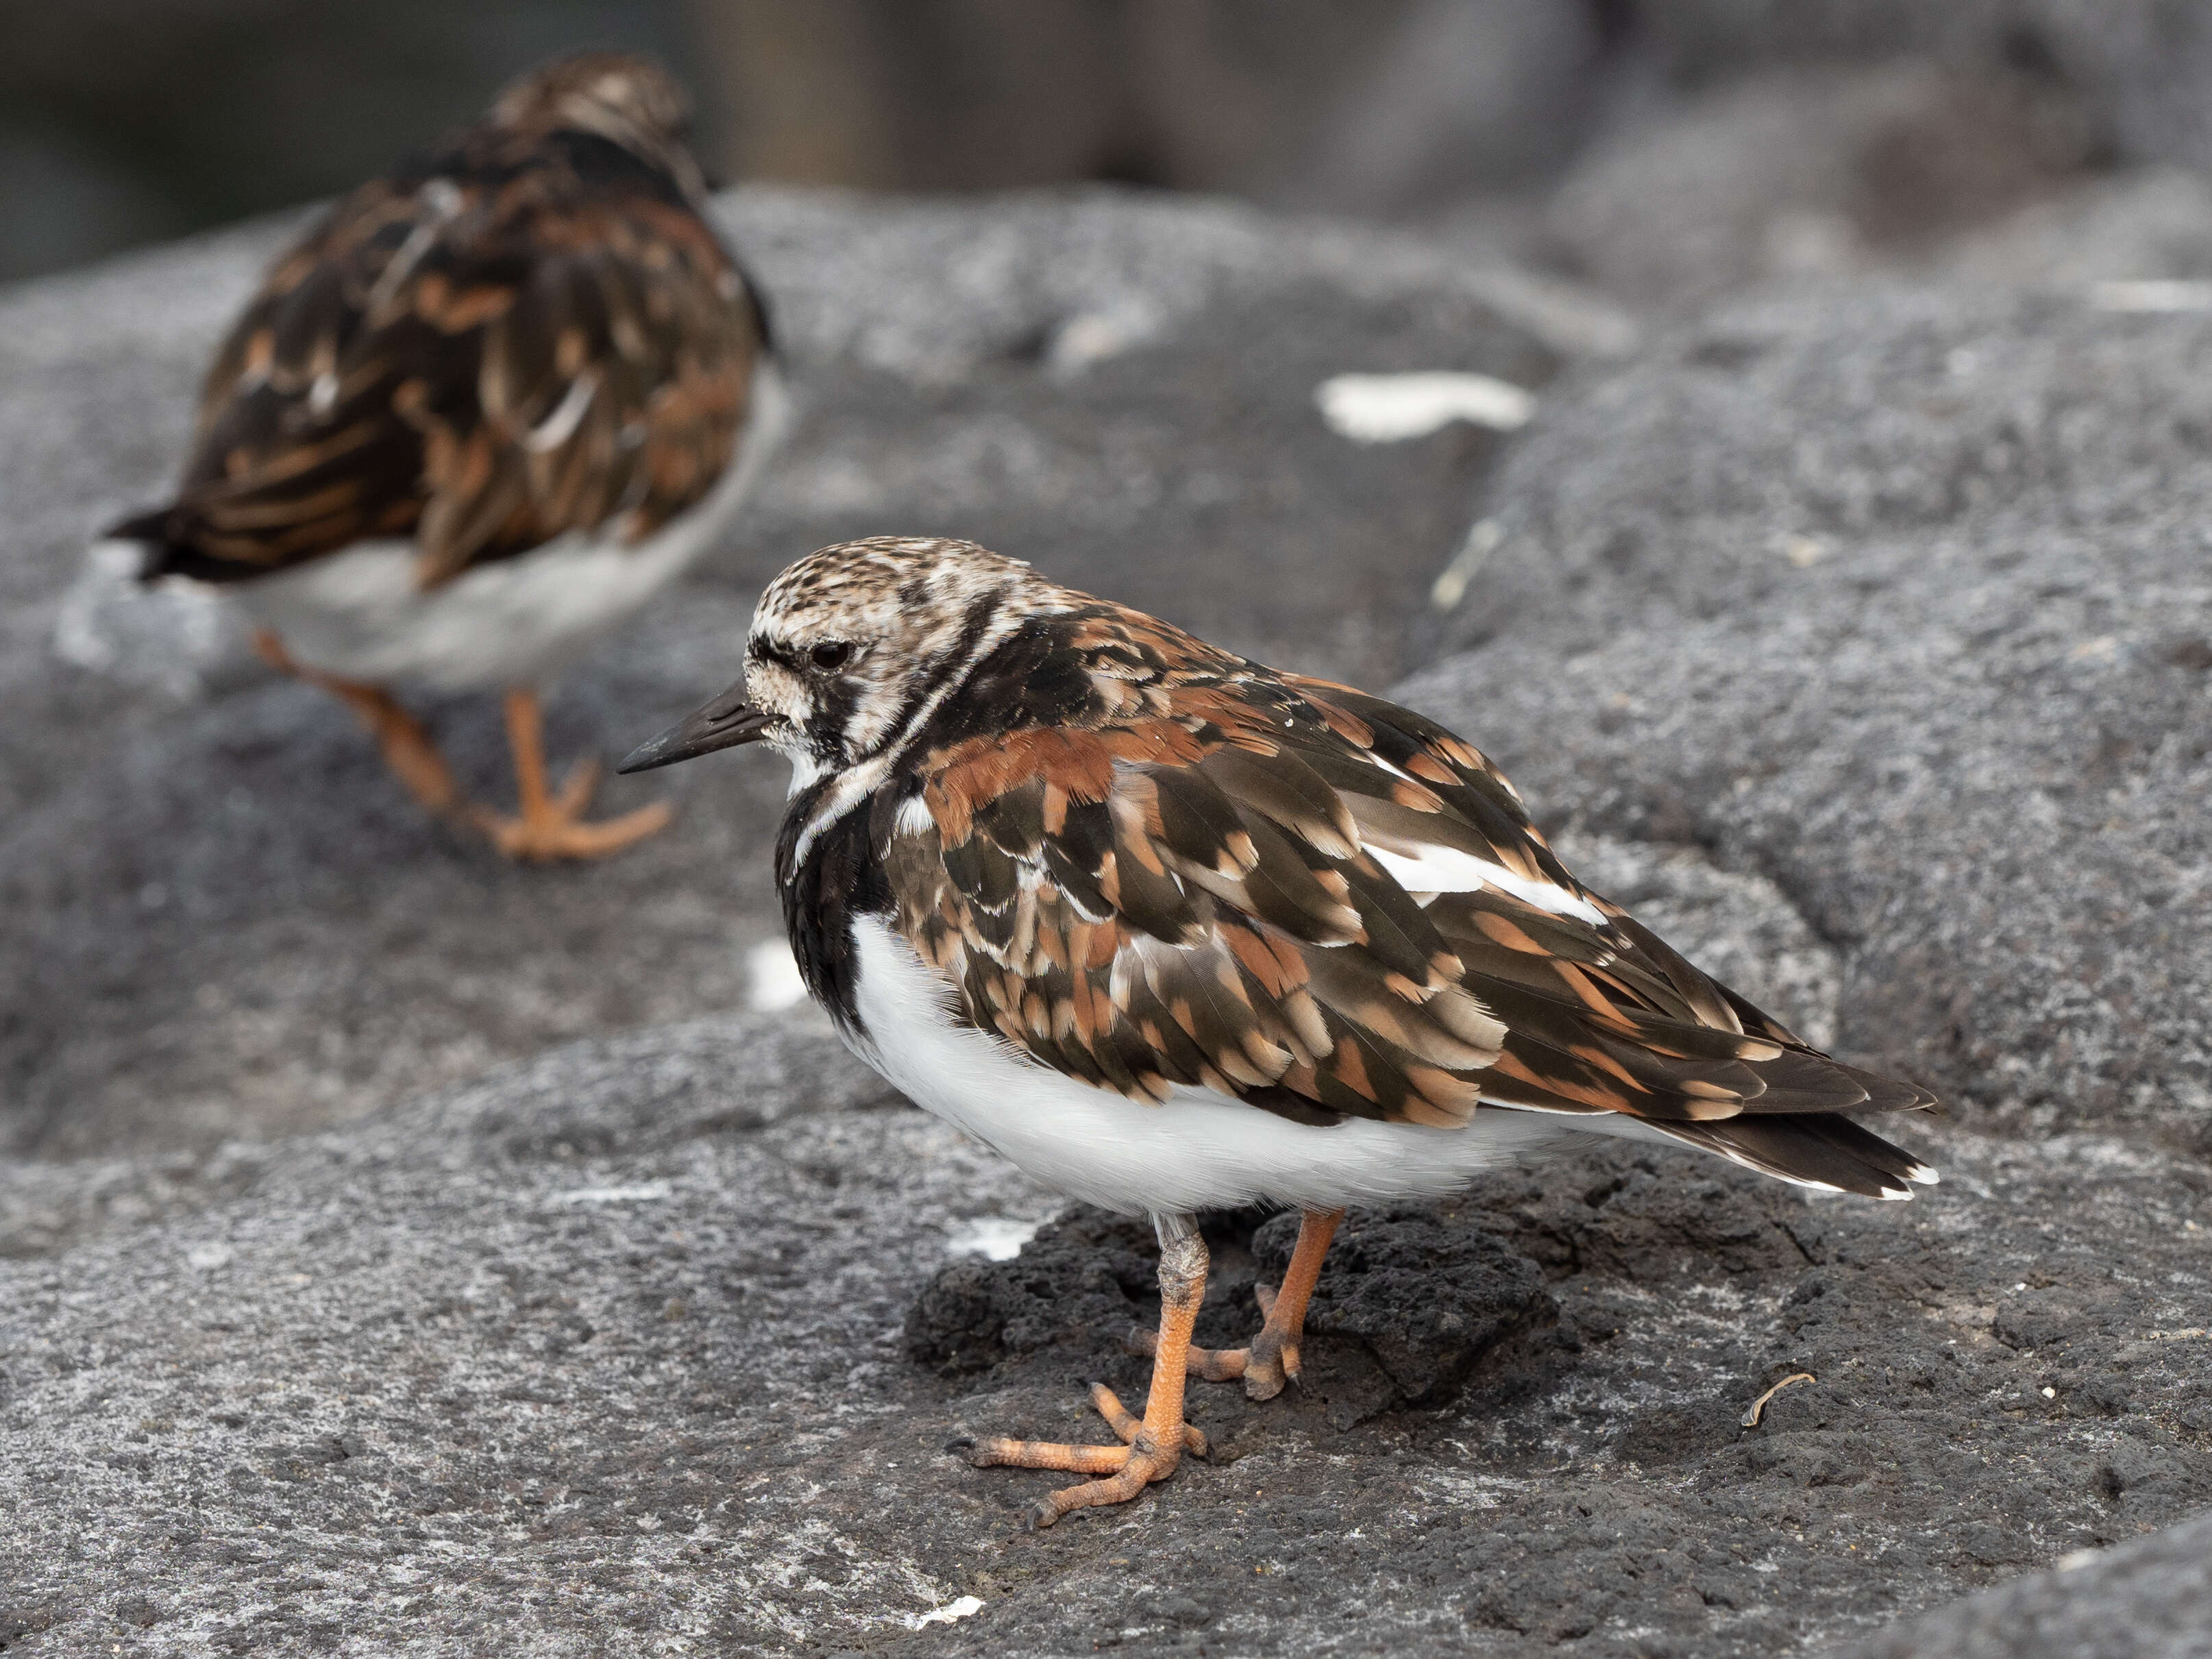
pixel 973 625
pixel 1034 677
pixel 841 879
pixel 836 702
pixel 761 650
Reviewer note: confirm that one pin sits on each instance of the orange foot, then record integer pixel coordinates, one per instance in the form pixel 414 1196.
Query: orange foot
pixel 1152 1445
pixel 1271 1359
pixel 550 825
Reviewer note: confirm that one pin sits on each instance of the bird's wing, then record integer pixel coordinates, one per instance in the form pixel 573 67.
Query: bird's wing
pixel 481 354
pixel 1296 895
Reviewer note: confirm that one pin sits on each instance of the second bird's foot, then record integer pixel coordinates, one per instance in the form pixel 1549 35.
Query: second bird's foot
pixel 555 827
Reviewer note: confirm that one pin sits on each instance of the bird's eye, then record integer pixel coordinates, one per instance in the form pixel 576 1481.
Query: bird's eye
pixel 830 655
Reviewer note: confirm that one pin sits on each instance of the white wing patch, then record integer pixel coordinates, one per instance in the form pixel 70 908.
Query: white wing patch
pixel 1426 869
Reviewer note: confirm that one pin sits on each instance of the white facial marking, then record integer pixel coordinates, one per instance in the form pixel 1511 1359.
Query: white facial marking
pixel 908 610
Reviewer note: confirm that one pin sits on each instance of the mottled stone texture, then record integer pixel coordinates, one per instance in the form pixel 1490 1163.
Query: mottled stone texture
pixel 1900 599
pixel 403 1254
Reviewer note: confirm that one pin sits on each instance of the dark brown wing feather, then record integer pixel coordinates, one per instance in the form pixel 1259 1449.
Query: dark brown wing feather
pixel 1178 884
pixel 516 338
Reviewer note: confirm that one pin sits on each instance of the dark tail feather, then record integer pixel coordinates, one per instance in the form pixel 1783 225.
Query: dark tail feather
pixel 1824 1149
pixel 158 554
pixel 164 538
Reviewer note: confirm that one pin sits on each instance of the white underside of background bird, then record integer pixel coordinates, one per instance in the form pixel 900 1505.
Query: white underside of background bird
pixel 363 614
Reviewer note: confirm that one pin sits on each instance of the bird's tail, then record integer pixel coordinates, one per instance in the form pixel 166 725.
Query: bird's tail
pixel 1811 1149
pixel 166 549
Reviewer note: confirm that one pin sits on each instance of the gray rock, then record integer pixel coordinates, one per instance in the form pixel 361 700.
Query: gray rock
pixel 1894 598
pixel 1897 597
pixel 2140 67
pixel 1811 171
pixel 618 1339
pixel 218 915
pixel 1429 1299
pixel 661 1331
pixel 2149 1598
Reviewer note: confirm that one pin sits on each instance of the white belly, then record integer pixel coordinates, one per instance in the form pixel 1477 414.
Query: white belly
pixel 1200 1151
pixel 359 614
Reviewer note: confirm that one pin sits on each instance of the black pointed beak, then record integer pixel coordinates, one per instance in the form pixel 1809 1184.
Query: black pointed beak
pixel 724 723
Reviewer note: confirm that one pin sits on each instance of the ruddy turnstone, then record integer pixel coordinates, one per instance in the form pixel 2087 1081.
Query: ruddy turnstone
pixel 486 407
pixel 1173 931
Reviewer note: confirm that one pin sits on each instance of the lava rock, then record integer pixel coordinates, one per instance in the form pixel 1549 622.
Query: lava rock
pixel 1884 595
pixel 1855 633
pixel 2044 1321
pixel 2148 1599
pixel 1083 1281
pixel 621 1337
pixel 1427 1293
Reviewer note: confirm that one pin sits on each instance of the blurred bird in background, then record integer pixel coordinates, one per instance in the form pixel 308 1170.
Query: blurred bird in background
pixel 483 410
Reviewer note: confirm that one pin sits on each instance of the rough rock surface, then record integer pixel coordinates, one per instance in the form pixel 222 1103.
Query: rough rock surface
pixel 2148 1600
pixel 1856 638
pixel 218 912
pixel 621 1339
pixel 1896 597
pixel 1899 598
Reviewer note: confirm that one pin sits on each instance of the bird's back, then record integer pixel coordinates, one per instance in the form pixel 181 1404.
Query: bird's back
pixel 1153 865
pixel 524 332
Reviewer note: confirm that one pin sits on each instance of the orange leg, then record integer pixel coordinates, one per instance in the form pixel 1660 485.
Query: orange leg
pixel 1272 1358
pixel 406 747
pixel 550 825
pixel 1151 1445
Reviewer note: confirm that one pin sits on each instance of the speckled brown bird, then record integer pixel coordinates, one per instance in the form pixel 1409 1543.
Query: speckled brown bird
pixel 1173 931
pixel 483 410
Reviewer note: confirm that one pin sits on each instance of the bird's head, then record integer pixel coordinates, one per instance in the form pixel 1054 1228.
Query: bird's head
pixel 627 101
pixel 853 647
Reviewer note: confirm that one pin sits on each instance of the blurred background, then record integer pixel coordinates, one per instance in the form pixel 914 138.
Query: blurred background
pixel 1658 146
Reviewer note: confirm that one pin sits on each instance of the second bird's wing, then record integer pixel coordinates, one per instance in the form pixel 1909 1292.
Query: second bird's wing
pixel 479 353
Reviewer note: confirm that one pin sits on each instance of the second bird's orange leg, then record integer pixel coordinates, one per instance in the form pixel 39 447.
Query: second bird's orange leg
pixel 400 738
pixel 1153 1444
pixel 1271 1357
